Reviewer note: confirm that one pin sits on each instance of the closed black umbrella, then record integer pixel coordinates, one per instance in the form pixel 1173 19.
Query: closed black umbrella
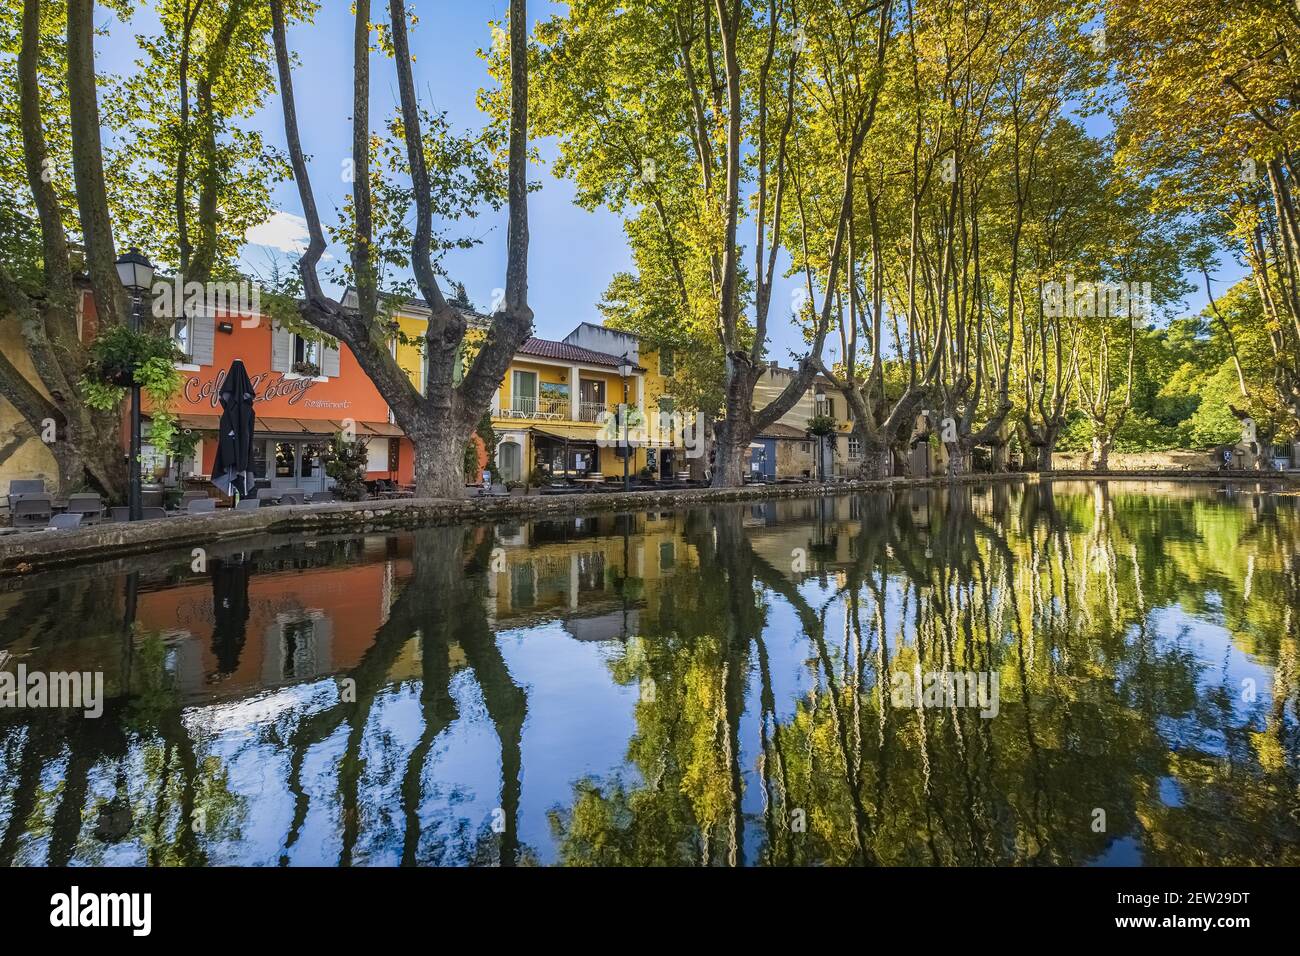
pixel 229 611
pixel 232 471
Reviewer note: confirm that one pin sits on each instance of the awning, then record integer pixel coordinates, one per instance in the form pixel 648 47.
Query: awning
pixel 564 433
pixel 385 429
pixel 294 426
pixel 290 425
pixel 207 423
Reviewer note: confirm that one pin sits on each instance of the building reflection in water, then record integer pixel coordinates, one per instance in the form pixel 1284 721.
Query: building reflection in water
pixel 707 686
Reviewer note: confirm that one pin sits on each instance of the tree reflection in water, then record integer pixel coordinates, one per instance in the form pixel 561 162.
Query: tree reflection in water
pixel 1144 644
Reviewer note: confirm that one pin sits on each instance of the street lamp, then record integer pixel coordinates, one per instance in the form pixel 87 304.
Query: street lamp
pixel 136 274
pixel 625 369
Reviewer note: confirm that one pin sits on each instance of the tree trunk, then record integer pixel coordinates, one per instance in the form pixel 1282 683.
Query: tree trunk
pixel 440 463
pixel 1047 449
pixel 876 462
pixel 729 463
pixel 1100 460
pixel 732 436
pixel 959 459
pixel 999 458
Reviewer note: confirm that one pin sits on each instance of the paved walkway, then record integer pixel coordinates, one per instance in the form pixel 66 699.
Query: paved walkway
pixel 28 552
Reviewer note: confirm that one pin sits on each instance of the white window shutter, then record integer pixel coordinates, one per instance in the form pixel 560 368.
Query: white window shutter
pixel 281 349
pixel 202 347
pixel 329 362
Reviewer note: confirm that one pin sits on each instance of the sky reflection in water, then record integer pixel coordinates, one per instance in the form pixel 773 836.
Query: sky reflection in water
pixel 700 687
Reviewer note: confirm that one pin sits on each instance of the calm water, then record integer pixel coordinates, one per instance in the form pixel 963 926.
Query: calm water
pixel 718 686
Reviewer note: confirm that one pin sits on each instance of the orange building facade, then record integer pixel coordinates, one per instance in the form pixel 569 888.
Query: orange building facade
pixel 305 394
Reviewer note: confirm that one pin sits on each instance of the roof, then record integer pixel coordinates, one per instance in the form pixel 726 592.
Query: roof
pixel 564 352
pixel 779 430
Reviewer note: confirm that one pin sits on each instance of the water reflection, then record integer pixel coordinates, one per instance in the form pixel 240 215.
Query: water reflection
pixel 712 687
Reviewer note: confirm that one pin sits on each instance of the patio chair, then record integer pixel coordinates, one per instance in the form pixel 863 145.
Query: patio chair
pixel 119 513
pixel 88 505
pixel 268 494
pixel 188 496
pixel 293 496
pixel 64 521
pixel 329 494
pixel 31 511
pixel 248 504
pixel 198 506
pixel 149 514
pixel 21 487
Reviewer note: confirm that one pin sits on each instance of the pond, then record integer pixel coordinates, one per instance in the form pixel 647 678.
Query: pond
pixel 1068 673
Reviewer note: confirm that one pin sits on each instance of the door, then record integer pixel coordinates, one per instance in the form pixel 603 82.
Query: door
pixel 311 466
pixel 509 461
pixel 300 464
pixel 591 398
pixel 768 458
pixel 667 463
pixel 523 394
pixel 285 473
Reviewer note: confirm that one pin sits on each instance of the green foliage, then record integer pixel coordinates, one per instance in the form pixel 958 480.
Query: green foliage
pixel 120 358
pixel 346 462
pixel 822 425
pixel 1213 423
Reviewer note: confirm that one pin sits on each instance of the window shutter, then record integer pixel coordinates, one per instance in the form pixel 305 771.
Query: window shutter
pixel 281 349
pixel 329 362
pixel 201 339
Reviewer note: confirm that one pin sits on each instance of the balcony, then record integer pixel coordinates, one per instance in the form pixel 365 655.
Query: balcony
pixel 592 411
pixel 537 409
pixel 548 409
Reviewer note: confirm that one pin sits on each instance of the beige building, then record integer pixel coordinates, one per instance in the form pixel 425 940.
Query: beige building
pixel 788 449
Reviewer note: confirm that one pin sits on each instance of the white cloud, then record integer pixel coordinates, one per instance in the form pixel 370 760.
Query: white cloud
pixel 283 231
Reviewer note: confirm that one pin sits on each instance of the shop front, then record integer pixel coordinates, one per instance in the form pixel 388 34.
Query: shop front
pixel 298 415
pixel 563 455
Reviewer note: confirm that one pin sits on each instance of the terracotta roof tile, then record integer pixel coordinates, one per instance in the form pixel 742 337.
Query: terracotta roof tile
pixel 782 430
pixel 564 352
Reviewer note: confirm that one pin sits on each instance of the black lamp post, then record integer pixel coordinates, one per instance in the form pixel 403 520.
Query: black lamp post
pixel 625 369
pixel 136 273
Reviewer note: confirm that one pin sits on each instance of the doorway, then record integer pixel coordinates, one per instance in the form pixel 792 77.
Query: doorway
pixel 591 398
pixel 510 461
pixel 298 463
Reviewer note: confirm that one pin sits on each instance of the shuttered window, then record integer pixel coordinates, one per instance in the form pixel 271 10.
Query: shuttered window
pixel 201 339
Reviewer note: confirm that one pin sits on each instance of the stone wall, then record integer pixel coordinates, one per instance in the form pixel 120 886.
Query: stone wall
pixel 22 453
pixel 1174 460
pixel 25 553
pixel 791 460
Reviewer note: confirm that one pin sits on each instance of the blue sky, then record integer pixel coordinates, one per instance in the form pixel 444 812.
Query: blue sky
pixel 573 253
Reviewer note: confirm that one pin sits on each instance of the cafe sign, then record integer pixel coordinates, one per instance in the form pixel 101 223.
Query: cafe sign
pixel 266 386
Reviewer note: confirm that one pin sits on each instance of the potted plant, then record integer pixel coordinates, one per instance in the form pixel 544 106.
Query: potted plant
pixel 345 462
pixel 822 425
pixel 538 478
pixel 121 357
pixel 516 488
pixel 306 369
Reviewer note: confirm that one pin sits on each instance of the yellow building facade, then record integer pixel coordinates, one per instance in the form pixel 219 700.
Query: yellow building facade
pixel 555 412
